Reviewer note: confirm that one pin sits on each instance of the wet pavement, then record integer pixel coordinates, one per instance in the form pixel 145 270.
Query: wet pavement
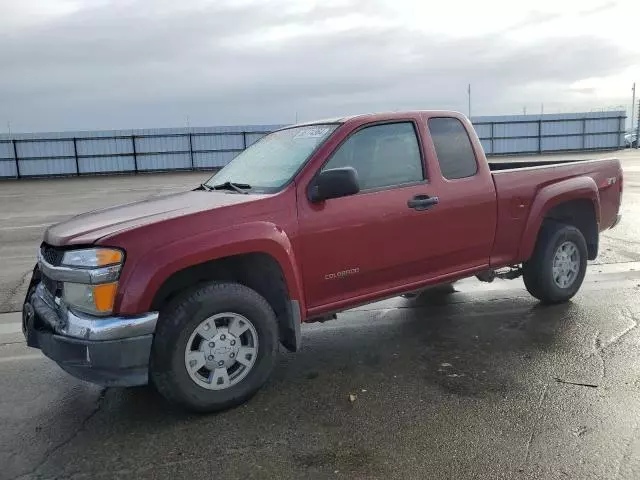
pixel 481 383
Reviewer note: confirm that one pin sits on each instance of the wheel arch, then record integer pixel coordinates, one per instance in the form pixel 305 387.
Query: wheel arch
pixel 259 256
pixel 574 202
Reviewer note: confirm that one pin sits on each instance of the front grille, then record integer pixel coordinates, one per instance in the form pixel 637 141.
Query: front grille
pixel 51 255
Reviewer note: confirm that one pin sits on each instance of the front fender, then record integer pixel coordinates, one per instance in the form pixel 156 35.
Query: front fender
pixel 577 188
pixel 139 285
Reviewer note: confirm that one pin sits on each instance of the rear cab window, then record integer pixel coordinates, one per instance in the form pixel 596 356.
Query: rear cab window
pixel 453 148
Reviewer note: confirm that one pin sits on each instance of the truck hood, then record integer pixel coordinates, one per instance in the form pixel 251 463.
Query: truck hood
pixel 88 228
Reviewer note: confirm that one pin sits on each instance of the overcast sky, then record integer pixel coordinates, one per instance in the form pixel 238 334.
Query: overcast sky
pixel 102 64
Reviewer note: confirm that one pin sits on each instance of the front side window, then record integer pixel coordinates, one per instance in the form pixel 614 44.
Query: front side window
pixel 453 148
pixel 383 155
pixel 273 160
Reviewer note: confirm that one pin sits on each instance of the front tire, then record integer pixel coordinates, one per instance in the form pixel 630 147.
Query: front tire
pixel 555 271
pixel 214 347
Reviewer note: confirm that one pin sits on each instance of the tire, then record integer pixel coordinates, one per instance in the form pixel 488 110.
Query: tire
pixel 180 326
pixel 538 271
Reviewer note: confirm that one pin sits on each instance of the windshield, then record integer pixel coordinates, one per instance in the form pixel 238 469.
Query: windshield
pixel 273 160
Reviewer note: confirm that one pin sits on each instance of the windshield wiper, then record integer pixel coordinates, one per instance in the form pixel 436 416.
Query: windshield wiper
pixel 237 187
pixel 204 186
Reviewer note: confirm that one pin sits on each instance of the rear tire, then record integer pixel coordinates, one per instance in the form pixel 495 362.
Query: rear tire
pixel 214 347
pixel 555 271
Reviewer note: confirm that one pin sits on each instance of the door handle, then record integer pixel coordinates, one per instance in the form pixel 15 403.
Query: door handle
pixel 422 202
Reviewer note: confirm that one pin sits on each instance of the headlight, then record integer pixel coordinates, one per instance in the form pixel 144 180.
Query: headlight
pixel 91 299
pixel 92 257
pixel 97 271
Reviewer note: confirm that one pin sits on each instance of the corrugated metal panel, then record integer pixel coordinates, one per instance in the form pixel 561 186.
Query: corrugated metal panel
pixel 44 149
pixel 486 146
pixel 165 161
pixel 217 142
pixel 47 166
pixel 483 130
pixel 106 164
pixel 561 143
pixel 601 141
pixel 562 128
pixel 515 129
pixel 605 125
pixel 253 138
pixel 6 150
pixel 104 147
pixel 162 144
pixel 8 169
pixel 512 145
pixel 212 159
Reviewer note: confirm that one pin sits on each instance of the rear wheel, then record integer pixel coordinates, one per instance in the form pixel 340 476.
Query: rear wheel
pixel 555 271
pixel 214 347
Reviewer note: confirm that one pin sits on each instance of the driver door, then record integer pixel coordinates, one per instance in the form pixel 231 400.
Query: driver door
pixel 374 240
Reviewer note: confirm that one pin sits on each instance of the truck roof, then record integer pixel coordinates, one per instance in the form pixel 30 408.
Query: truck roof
pixel 376 116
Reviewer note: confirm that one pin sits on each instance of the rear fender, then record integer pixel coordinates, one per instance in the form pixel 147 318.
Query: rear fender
pixel 578 188
pixel 139 285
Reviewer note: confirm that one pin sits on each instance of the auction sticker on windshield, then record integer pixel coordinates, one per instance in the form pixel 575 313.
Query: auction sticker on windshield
pixel 312 132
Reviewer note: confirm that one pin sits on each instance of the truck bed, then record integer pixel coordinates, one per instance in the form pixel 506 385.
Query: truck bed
pixel 517 184
pixel 511 165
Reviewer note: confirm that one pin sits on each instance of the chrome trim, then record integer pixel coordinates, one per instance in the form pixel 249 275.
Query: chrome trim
pixel 86 276
pixel 87 327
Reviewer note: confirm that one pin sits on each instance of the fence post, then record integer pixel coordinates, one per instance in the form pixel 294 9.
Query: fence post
pixel 75 153
pixel 191 151
pixel 540 136
pixel 584 132
pixel 135 155
pixel 244 140
pixel 15 157
pixel 621 123
pixel 493 149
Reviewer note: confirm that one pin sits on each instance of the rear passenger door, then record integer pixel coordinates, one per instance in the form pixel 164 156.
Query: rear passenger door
pixel 467 196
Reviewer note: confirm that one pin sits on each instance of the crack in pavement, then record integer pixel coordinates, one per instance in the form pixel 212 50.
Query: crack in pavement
pixel 6 305
pixel 599 346
pixel 65 442
pixel 627 313
pixel 598 350
pixel 543 397
pixel 579 384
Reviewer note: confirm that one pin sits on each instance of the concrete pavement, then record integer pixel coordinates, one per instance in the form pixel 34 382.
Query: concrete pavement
pixel 483 383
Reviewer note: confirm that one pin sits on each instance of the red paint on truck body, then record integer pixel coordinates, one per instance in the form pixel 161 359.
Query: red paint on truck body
pixel 485 221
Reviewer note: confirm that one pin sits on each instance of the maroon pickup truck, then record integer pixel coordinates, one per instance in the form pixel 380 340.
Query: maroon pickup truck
pixel 195 291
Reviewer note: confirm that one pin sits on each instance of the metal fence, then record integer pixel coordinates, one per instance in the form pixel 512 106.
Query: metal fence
pixel 132 151
pixel 531 134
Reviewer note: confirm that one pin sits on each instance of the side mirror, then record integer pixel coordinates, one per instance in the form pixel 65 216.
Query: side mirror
pixel 334 183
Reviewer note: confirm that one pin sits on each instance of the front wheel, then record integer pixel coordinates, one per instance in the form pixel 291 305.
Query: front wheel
pixel 555 271
pixel 214 347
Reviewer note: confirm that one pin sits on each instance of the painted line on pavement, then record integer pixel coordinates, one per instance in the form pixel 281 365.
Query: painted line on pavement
pixel 21 358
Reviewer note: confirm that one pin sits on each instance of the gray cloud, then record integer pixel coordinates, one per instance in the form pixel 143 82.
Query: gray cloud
pixel 139 65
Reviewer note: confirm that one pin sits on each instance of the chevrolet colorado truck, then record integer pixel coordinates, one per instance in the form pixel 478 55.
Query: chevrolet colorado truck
pixel 195 291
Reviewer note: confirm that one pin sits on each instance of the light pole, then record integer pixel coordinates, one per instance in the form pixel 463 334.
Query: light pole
pixel 633 104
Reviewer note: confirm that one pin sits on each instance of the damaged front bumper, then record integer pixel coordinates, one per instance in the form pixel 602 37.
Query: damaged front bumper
pixel 109 351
